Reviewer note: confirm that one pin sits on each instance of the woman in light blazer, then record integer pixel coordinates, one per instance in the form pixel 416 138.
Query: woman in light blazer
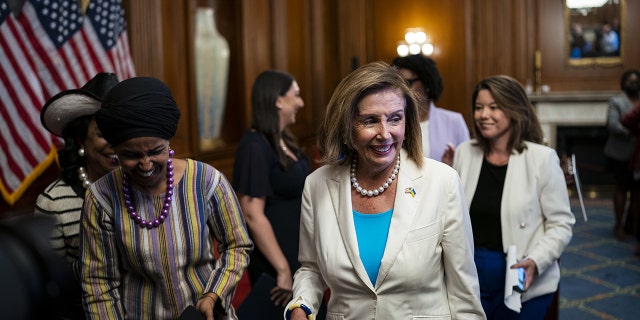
pixel 517 195
pixel 386 230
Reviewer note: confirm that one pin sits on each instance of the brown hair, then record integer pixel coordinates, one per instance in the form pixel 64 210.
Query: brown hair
pixel 511 98
pixel 335 138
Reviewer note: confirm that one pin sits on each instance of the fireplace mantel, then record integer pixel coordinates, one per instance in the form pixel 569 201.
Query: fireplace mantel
pixel 570 109
pixel 572 96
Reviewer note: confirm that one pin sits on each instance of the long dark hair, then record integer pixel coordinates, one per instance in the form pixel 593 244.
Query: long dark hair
pixel 68 157
pixel 268 86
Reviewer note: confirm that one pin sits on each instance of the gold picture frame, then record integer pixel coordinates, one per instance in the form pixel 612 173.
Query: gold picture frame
pixel 595 35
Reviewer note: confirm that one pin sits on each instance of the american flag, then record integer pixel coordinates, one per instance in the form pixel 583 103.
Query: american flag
pixel 50 46
pixel 107 22
pixel 72 47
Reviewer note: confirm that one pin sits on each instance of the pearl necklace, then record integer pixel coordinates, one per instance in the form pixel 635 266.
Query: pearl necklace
pixel 374 192
pixel 128 199
pixel 84 177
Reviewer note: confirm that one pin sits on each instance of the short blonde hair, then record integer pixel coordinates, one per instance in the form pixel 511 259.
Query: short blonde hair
pixel 335 138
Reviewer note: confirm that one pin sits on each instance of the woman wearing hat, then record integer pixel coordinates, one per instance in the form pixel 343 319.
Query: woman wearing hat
pixel 153 227
pixel 84 157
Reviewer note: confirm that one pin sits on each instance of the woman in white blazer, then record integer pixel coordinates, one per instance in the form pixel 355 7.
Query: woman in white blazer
pixel 517 195
pixel 386 230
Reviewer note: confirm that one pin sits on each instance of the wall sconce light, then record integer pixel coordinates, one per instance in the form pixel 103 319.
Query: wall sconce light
pixel 415 41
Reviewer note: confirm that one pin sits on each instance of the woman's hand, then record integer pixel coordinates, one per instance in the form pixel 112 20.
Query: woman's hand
pixel 530 269
pixel 206 304
pixel 449 152
pixel 265 240
pixel 281 294
pixel 298 314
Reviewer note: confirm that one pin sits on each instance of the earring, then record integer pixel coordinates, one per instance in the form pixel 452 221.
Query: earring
pixel 81 152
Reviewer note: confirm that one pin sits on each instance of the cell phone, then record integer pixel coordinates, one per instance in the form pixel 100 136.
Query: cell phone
pixel 521 278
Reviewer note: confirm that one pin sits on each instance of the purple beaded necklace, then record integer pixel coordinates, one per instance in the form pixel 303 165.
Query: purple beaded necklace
pixel 128 199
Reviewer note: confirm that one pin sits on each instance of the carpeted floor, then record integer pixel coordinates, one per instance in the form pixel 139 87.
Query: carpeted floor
pixel 600 275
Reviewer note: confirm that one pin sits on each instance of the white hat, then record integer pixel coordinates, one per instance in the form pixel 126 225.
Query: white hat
pixel 69 105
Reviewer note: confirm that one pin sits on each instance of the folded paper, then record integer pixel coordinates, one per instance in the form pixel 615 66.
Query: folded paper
pixel 511 297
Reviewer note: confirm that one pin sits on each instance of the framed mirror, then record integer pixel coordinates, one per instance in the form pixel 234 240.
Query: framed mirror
pixel 594 30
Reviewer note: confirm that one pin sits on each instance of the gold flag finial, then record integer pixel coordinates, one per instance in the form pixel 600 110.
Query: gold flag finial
pixel 83 5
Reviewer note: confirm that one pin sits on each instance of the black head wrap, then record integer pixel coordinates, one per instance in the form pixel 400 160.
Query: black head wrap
pixel 138 107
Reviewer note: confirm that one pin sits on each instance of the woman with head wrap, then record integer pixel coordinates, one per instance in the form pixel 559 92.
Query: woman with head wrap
pixel 84 157
pixel 148 235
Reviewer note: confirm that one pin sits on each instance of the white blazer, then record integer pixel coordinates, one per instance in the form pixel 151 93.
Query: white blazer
pixel 427 269
pixel 535 213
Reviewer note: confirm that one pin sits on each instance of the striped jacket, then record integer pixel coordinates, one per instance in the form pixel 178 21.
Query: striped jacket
pixel 137 273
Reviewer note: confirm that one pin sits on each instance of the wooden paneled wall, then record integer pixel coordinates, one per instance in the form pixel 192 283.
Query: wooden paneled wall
pixel 288 35
pixel 446 24
pixel 552 42
pixel 321 41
